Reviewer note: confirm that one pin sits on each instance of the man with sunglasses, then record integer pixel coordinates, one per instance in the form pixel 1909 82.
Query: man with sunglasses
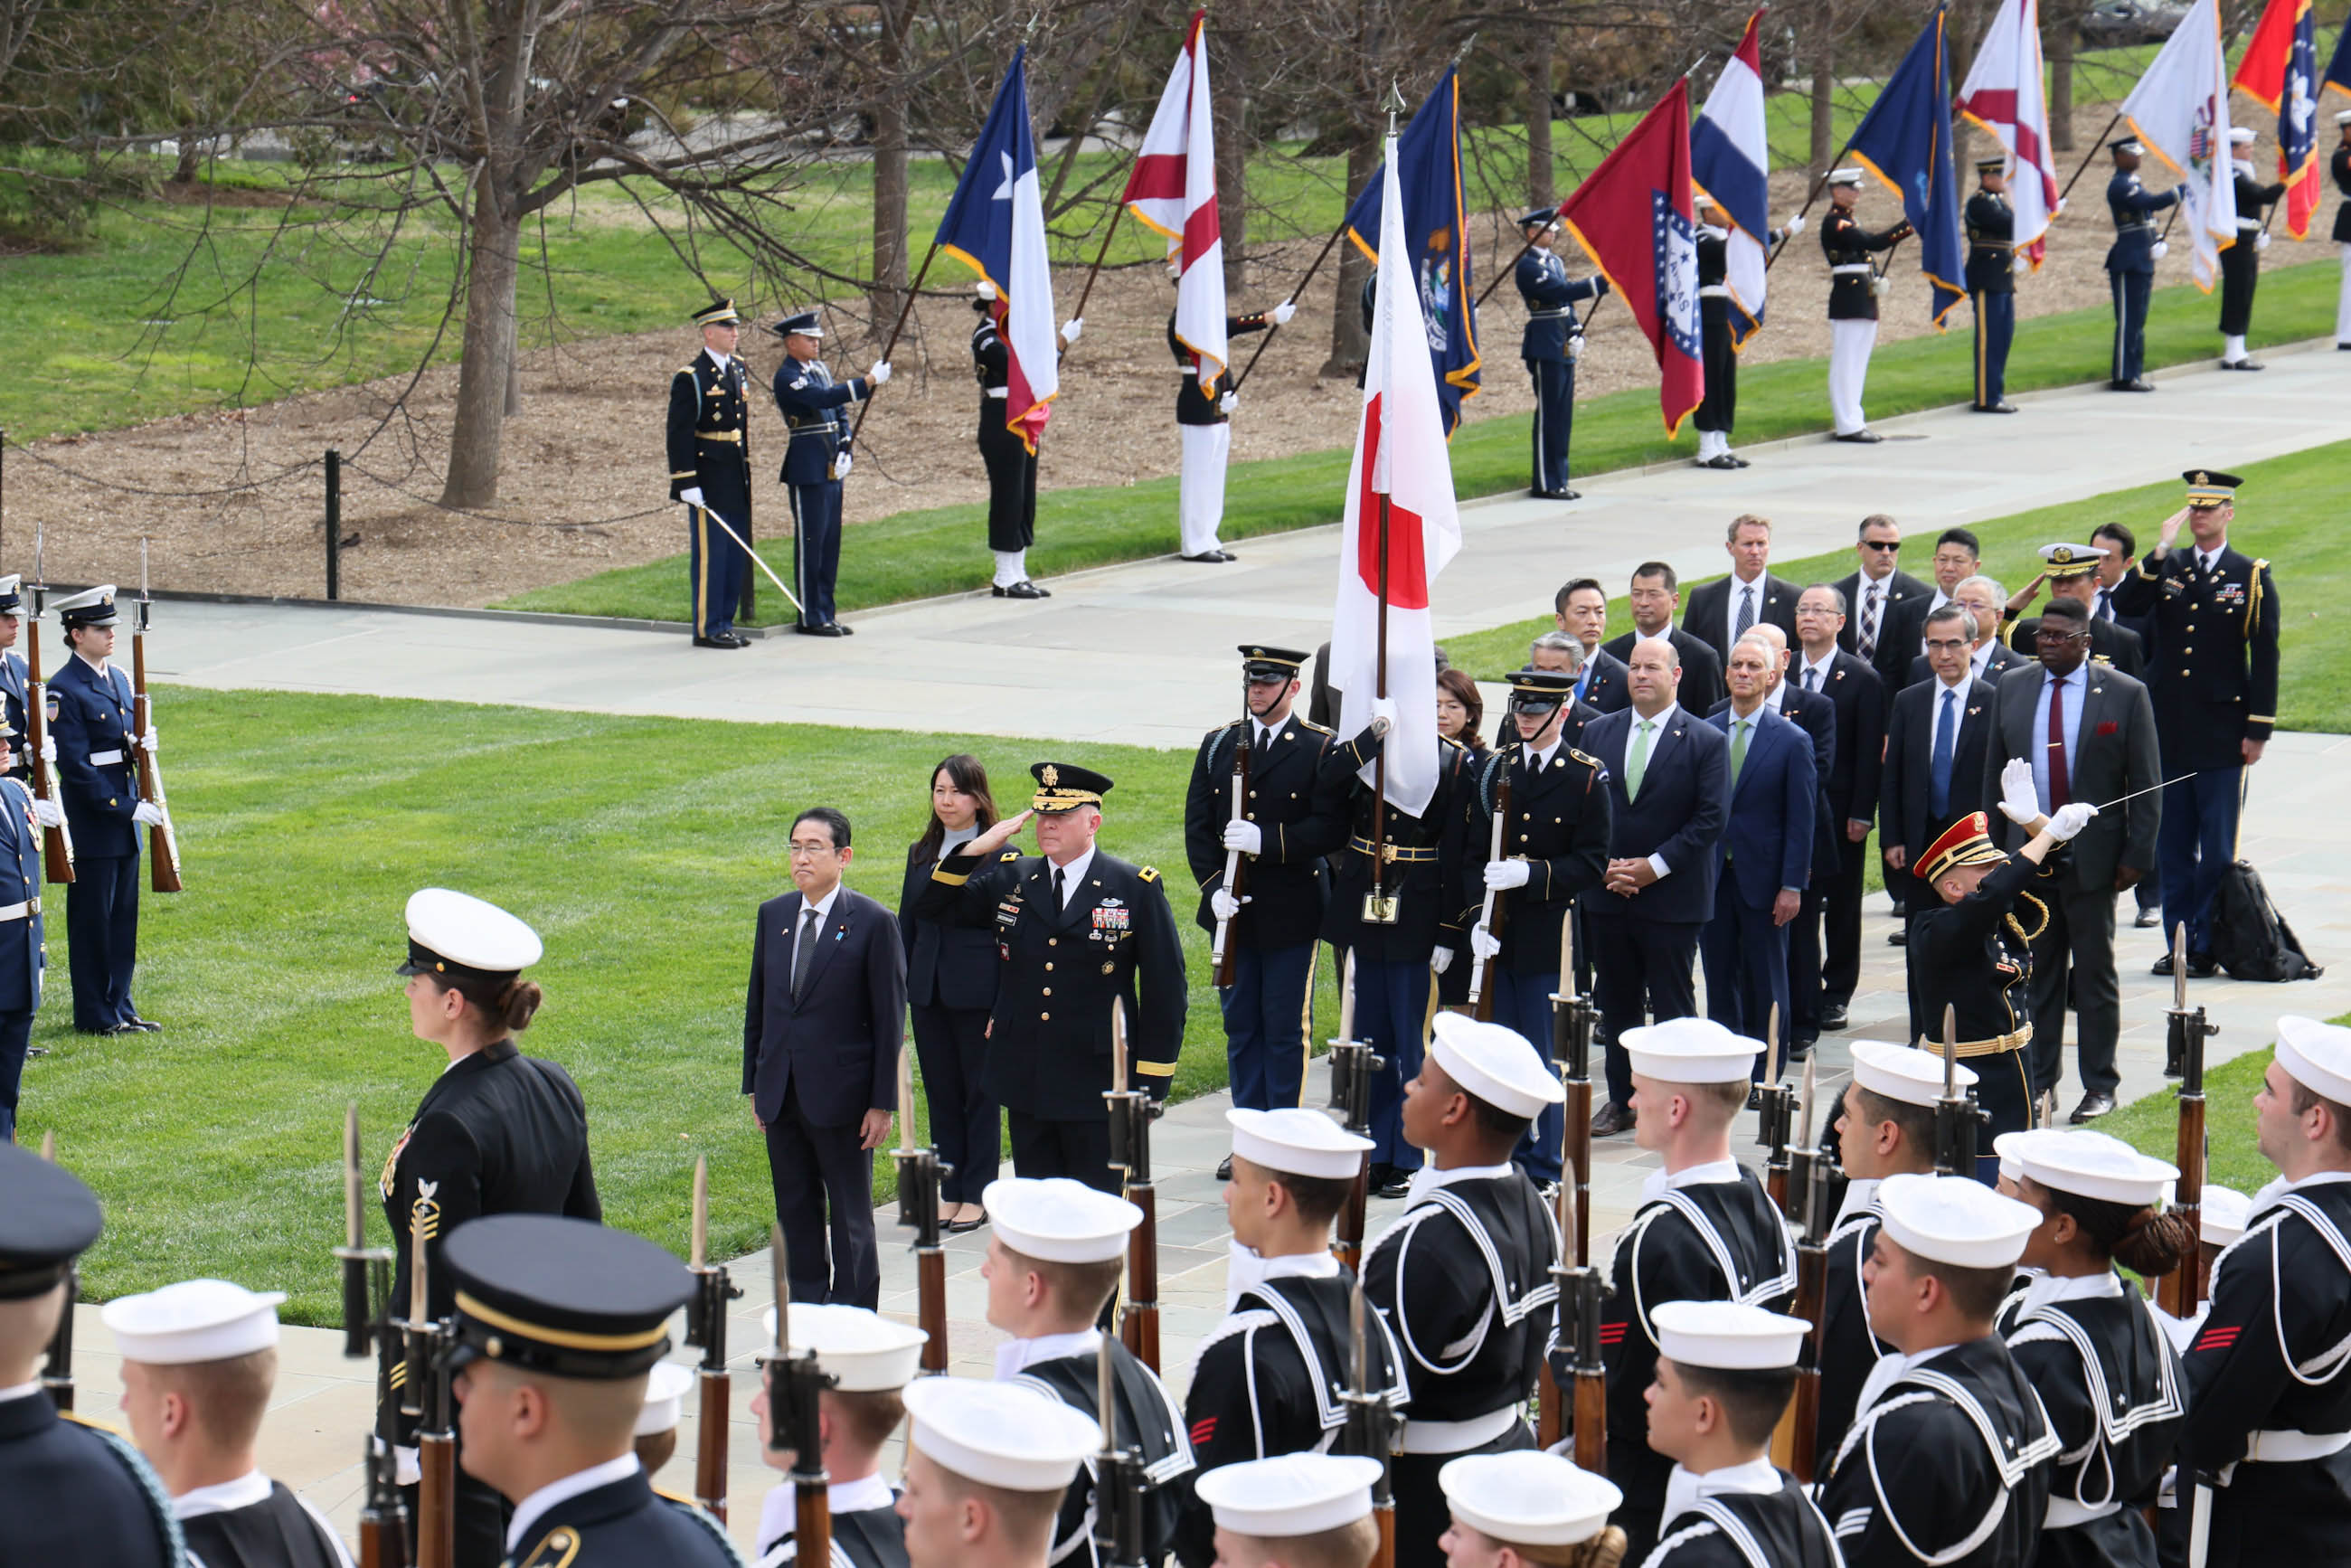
pixel 1880 598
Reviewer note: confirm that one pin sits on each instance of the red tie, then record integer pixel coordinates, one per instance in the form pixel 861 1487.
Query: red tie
pixel 2061 788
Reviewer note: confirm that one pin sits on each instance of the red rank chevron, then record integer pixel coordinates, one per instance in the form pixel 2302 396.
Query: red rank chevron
pixel 1202 1430
pixel 2217 1339
pixel 1612 1333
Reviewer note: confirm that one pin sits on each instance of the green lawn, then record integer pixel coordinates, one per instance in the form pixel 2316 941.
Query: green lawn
pixel 2151 1124
pixel 638 847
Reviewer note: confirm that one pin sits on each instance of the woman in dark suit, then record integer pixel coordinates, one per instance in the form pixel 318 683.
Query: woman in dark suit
pixel 1460 717
pixel 950 986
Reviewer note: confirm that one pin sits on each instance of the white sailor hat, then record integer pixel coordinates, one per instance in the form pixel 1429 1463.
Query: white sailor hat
pixel 1529 1498
pixel 2222 1218
pixel 2343 117
pixel 1298 1141
pixel 1691 1051
pixel 999 1434
pixel 861 1350
pixel 465 937
pixel 2241 136
pixel 1290 1494
pixel 1904 1072
pixel 1491 1062
pixel 2316 1055
pixel 1729 1335
pixel 665 1388
pixel 196 1320
pixel 1059 1221
pixel 1956 1221
pixel 2091 1164
pixel 94 607
pixel 1844 176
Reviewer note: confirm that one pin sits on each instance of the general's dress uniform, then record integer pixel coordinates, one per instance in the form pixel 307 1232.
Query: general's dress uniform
pixel 2214 681
pixel 2339 167
pixel 24 953
pixel 1975 957
pixel 1991 278
pixel 1011 461
pixel 816 413
pixel 859 1352
pixel 91 720
pixel 2241 264
pixel 1271 936
pixel 1206 430
pixel 710 471
pixel 2130 267
pixel 1462 1280
pixel 15 683
pixel 1724 324
pixel 1853 308
pixel 2268 1439
pixel 1069 942
pixel 70 1492
pixel 1555 848
pixel 1552 339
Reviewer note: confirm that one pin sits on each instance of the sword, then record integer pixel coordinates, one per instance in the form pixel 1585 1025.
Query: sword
pixel 2150 789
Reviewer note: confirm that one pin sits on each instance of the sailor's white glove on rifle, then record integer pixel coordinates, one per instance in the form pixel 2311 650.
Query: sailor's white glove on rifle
pixel 1224 906
pixel 48 813
pixel 1503 876
pixel 691 495
pixel 1244 836
pixel 148 814
pixel 147 741
pixel 49 748
pixel 2020 802
pixel 2161 249
pixel 1227 402
pixel 2261 240
pixel 1484 943
pixel 1441 959
pixel 840 467
pixel 1283 312
pixel 1793 226
pixel 2070 819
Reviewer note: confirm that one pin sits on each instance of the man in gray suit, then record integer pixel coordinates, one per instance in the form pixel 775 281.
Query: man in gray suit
pixel 2069 729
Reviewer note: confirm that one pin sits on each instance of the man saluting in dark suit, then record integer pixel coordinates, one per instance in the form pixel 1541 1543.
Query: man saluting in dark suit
pixel 1934 759
pixel 821 1027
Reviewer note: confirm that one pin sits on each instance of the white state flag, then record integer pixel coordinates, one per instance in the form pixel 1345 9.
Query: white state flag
pixel 2180 110
pixel 1400 455
pixel 2003 94
pixel 1172 189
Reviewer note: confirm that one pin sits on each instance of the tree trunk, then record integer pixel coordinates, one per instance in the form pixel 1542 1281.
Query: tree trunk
pixel 889 292
pixel 2058 32
pixel 493 254
pixel 1823 91
pixel 1229 80
pixel 191 154
pixel 1349 345
pixel 1540 176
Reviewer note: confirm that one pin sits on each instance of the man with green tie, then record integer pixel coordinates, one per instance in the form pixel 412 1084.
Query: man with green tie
pixel 1766 849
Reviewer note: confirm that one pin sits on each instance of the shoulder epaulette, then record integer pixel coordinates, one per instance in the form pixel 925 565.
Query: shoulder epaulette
pixel 1148 873
pixel 1586 758
pixel 1309 724
pixel 1228 724
pixel 685 369
pixel 1456 745
pixel 556 1549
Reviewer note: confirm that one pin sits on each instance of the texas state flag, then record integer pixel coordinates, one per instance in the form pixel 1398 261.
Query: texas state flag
pixel 995 223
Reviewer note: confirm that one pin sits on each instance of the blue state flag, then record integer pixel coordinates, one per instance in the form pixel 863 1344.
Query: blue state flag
pixel 2338 69
pixel 1906 140
pixel 1428 174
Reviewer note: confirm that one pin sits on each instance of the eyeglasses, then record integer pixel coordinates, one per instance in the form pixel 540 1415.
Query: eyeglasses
pixel 810 851
pixel 1946 644
pixel 2058 634
pixel 1888 547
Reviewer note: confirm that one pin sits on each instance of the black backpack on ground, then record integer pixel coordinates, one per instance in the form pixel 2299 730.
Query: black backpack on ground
pixel 2250 938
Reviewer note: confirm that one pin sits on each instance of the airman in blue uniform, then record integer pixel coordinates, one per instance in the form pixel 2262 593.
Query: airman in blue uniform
pixel 816 411
pixel 23 957
pixel 90 721
pixel 1552 339
pixel 710 472
pixel 2130 262
pixel 14 676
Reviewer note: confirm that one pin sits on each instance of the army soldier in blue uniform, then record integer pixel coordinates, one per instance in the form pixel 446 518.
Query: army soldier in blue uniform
pixel 1853 286
pixel 1206 424
pixel 1991 278
pixel 1717 411
pixel 1552 339
pixel 816 461
pixel 2130 262
pixel 24 961
pixel 2214 680
pixel 2339 168
pixel 2241 264
pixel 15 675
pixel 710 471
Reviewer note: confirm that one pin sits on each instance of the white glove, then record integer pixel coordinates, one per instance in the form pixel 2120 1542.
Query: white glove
pixel 49 748
pixel 1244 836
pixel 2070 819
pixel 1503 876
pixel 1224 906
pixel 1484 943
pixel 1574 346
pixel 691 495
pixel 2021 265
pixel 840 467
pixel 1794 227
pixel 148 814
pixel 2261 240
pixel 984 289
pixel 1384 715
pixel 1880 284
pixel 2020 802
pixel 1070 332
pixel 1441 959
pixel 1227 402
pixel 2161 249
pixel 880 374
pixel 2182 193
pixel 147 741
pixel 48 813
pixel 1283 312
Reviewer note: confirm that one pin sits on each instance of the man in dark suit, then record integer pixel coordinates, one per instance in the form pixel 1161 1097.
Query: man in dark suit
pixel 2121 558
pixel 1766 852
pixel 1878 598
pixel 1556 653
pixel 1669 791
pixel 2072 572
pixel 1959 556
pixel 1655 595
pixel 1857 699
pixel 822 1025
pixel 1722 612
pixel 1581 609
pixel 1935 745
pixel 1984 601
pixel 2076 731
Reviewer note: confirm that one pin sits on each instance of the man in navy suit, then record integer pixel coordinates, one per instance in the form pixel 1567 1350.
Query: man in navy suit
pixel 1653 596
pixel 1722 612
pixel 2122 550
pixel 1581 609
pixel 1857 699
pixel 821 1026
pixel 1669 791
pixel 98 776
pixel 1766 851
pixel 816 463
pixel 22 958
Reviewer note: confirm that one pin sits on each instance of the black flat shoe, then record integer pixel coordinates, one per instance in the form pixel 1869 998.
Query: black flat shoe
pixel 1023 589
pixel 965 1226
pixel 1832 1017
pixel 1898 938
pixel 1399 1183
pixel 2243 365
pixel 829 629
pixel 723 639
pixel 134 1024
pixel 1862 437
pixel 1731 460
pixel 2161 966
pixel 2002 406
pixel 1559 495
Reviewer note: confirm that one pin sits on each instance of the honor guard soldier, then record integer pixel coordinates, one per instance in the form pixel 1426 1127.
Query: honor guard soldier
pixel 2241 264
pixel 70 1492
pixel 1555 848
pixel 987 1467
pixel 1706 1232
pixel 24 957
pixel 816 461
pixel 1075 930
pixel 2339 166
pixel 98 780
pixel 1462 1280
pixel 1205 419
pixel 1537 1507
pixel 1010 460
pixel 866 1361
pixel 2130 261
pixel 1723 325
pixel 1725 1375
pixel 1885 1127
pixel 2214 681
pixel 1552 342
pixel 1270 1377
pixel 1853 286
pixel 558 1322
pixel 2090 1344
pixel 1947 1461
pixel 199 1365
pixel 710 471
pixel 1271 921
pixel 2269 1409
pixel 1992 281
pixel 1054 1259
pixel 1297 1511
pixel 15 675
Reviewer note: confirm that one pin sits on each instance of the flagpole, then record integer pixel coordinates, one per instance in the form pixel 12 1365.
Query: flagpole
pixel 1815 195
pixel 1380 762
pixel 1320 257
pixel 2092 153
pixel 896 326
pixel 1083 294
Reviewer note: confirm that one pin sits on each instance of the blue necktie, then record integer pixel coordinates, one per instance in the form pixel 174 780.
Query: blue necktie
pixel 1939 797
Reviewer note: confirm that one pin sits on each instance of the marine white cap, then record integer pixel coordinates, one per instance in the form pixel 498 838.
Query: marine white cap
pixel 2343 117
pixel 1844 176
pixel 193 1321
pixel 2222 1218
pixel 1291 1494
pixel 1691 1051
pixel 1729 1335
pixel 1904 1072
pixel 1529 1498
pixel 863 1351
pixel 999 1434
pixel 2241 136
pixel 1496 1064
pixel 665 1388
pixel 1057 1220
pixel 448 929
pixel 2091 1164
pixel 2317 1056
pixel 1956 1221
pixel 1296 1140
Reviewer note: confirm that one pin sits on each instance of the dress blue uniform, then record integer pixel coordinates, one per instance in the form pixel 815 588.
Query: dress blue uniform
pixel 710 452
pixel 22 959
pixel 15 682
pixel 2130 267
pixel 1552 339
pixel 98 782
pixel 2241 264
pixel 815 409
pixel 1991 278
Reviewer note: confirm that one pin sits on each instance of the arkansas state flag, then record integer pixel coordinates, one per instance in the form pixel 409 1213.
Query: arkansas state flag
pixel 1173 190
pixel 995 223
pixel 1401 528
pixel 2281 69
pixel 1633 217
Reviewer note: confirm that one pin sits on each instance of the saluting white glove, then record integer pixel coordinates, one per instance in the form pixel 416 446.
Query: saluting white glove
pixel 2020 802
pixel 49 748
pixel 1384 715
pixel 1793 226
pixel 1070 331
pixel 1224 906
pixel 147 741
pixel 148 813
pixel 1503 876
pixel 880 374
pixel 691 495
pixel 1227 402
pixel 2159 249
pixel 1441 959
pixel 1244 836
pixel 2070 820
pixel 2261 240
pixel 48 813
pixel 1283 312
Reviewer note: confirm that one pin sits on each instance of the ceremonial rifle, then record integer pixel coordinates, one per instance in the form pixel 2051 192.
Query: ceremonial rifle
pixel 367 1326
pixel 424 1399
pixel 1772 1116
pixel 706 1330
pixel 1371 1423
pixel 1481 1000
pixel 57 1371
pixel 56 843
pixel 1120 1485
pixel 920 1172
pixel 1810 1189
pixel 1221 953
pixel 1574 1359
pixel 1132 1112
pixel 795 1382
pixel 1957 1116
pixel 163 844
pixel 1353 1067
pixel 2179 1292
pixel 1572 1020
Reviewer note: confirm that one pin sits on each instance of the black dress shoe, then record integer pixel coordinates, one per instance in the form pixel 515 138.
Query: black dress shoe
pixel 1863 438
pixel 2201 966
pixel 723 640
pixel 1559 495
pixel 2147 919
pixel 1832 1016
pixel 965 1226
pixel 1612 1120
pixel 829 629
pixel 1722 460
pixel 2243 365
pixel 2161 966
pixel 2002 406
pixel 1398 1184
pixel 134 1024
pixel 2092 1106
pixel 1898 938
pixel 1023 590
pixel 1736 462
pixel 1210 558
pixel 1225 1168
pixel 2138 383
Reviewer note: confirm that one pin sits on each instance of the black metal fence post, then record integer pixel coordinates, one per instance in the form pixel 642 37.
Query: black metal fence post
pixel 334 523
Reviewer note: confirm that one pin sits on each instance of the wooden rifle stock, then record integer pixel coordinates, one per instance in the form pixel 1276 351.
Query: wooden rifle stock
pixel 2179 1292
pixel 163 844
pixel 436 1497
pixel 795 1384
pixel 706 1330
pixel 1225 955
pixel 56 843
pixel 1796 1442
pixel 57 1366
pixel 1371 1426
pixel 920 1173
pixel 1132 1112
pixel 1352 1066
pixel 1481 993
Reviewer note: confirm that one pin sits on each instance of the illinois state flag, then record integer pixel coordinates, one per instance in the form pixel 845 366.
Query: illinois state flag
pixel 994 225
pixel 1173 190
pixel 1401 528
pixel 2003 94
pixel 2281 69
pixel 1631 217
pixel 2179 111
pixel 1731 159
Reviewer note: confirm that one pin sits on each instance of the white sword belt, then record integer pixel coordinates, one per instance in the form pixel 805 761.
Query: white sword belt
pixel 2292 1448
pixel 1850 269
